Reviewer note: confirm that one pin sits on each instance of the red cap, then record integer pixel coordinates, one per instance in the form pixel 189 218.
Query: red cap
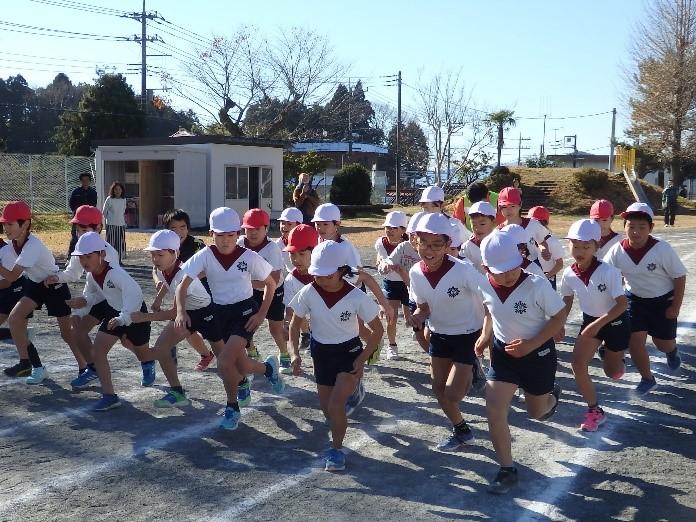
pixel 87 215
pixel 509 196
pixel 601 209
pixel 255 218
pixel 301 238
pixel 15 211
pixel 540 213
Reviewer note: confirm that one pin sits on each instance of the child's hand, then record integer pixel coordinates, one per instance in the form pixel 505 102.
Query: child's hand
pixel 672 312
pixel 156 305
pixel 417 319
pixel 358 367
pixel 182 321
pixel 139 317
pixel 114 323
pixel 76 302
pixel 518 348
pixel 254 322
pixel 51 280
pixel 545 252
pixel 560 335
pixel 481 344
pixel 591 330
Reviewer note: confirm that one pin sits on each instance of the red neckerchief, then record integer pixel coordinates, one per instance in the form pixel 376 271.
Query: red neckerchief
pixel 17 248
pixel 258 247
pixel 227 260
pixel 435 276
pixel 584 275
pixel 636 254
pixel 605 239
pixel 305 279
pixel 475 240
pixel 99 278
pixel 387 245
pixel 331 298
pixel 169 276
pixel 284 239
pixel 504 292
pixel 525 263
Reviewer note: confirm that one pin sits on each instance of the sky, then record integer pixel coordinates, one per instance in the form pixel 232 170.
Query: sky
pixel 538 57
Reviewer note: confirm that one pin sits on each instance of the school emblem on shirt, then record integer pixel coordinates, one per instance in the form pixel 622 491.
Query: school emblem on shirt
pixel 651 267
pixel 345 316
pixel 110 284
pixel 453 291
pixel 602 287
pixel 520 307
pixel 242 266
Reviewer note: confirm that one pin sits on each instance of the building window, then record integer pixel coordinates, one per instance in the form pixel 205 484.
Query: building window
pixel 236 182
pixel 266 182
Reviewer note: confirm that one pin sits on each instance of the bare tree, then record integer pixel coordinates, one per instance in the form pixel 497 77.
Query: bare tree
pixel 472 157
pixel 385 117
pixel 663 105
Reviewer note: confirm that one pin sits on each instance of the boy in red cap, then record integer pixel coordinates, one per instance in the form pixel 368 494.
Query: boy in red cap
pixel 602 211
pixel 510 205
pixel 554 264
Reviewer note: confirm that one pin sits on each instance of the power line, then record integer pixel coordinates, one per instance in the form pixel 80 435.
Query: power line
pixel 87 8
pixel 57 33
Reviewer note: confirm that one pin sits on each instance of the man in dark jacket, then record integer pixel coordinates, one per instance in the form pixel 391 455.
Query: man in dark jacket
pixel 306 198
pixel 669 203
pixel 85 194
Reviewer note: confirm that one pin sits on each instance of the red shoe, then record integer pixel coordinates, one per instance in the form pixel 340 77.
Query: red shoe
pixel 205 362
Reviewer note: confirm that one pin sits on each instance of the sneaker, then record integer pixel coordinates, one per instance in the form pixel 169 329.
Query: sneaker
pixel 244 394
pixel 304 340
pixel 285 367
pixel 335 460
pixel 674 360
pixel 456 440
pixel 276 379
pixel 478 383
pixel 593 419
pixel 149 373
pixel 356 398
pixel 556 392
pixel 107 402
pixel 84 379
pixel 18 370
pixel 503 481
pixel 645 386
pixel 205 362
pixel 230 419
pixel 172 399
pixel 37 375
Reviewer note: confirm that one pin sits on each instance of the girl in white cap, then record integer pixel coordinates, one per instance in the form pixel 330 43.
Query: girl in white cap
pixel 123 298
pixel 524 315
pixel 446 294
pixel 432 200
pixel 510 205
pixel 393 284
pixel 333 306
pixel 289 218
pixel 230 270
pixel 604 319
pixel 163 248
pixel 482 216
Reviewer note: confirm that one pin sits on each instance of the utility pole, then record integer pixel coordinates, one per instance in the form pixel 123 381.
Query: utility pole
pixel 449 150
pixel 398 138
pixel 542 150
pixel 350 120
pixel 520 147
pixel 612 144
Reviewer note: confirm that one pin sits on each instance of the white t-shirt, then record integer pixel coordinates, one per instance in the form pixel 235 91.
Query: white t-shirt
pixel 286 255
pixel 652 275
pixel 557 252
pixel 268 250
pixel 294 282
pixel 471 250
pixel 536 234
pixel 36 259
pixel 230 283
pixel 334 322
pixel 454 300
pixel 8 256
pixel 525 311
pixel 404 255
pixel 118 288
pixel 384 249
pixel 609 242
pixel 73 270
pixel 596 289
pixel 196 295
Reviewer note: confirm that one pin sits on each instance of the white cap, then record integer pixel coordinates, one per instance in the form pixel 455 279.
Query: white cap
pixel 432 194
pixel 482 207
pixel 87 243
pixel 455 236
pixel 638 207
pixel 516 232
pixel 435 224
pixel 499 253
pixel 327 257
pixel 415 218
pixel 163 240
pixel 224 219
pixel 291 214
pixel 585 230
pixel 395 219
pixel 327 212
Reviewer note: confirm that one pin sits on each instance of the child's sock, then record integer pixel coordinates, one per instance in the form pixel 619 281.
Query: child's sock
pixel 34 356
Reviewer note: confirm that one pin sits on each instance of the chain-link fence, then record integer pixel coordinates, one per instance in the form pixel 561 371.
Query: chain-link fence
pixel 43 181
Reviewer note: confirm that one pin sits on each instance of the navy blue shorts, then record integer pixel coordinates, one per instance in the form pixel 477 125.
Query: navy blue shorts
pixel 332 359
pixel 137 333
pixel 100 310
pixel 459 348
pixel 205 322
pixel 233 317
pixel 615 335
pixel 395 291
pixel 53 296
pixel 276 312
pixel 11 295
pixel 648 315
pixel 535 373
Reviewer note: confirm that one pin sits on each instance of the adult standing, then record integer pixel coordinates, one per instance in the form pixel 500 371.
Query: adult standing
pixel 477 191
pixel 114 215
pixel 306 198
pixel 669 203
pixel 85 194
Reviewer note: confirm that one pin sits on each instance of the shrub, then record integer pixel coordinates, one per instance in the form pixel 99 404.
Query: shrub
pixel 591 179
pixel 500 178
pixel 351 186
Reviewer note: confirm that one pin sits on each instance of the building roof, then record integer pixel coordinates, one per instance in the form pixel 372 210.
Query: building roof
pixel 193 140
pixel 580 154
pixel 338 146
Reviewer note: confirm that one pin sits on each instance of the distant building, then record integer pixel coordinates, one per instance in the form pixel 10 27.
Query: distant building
pixel 582 160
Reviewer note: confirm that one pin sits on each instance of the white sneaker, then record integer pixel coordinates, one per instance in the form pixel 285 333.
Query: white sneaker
pixel 37 375
pixel 391 352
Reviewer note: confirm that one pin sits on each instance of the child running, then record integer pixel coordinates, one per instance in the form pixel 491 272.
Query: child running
pixel 602 211
pixel 482 217
pixel 518 233
pixel 289 218
pixel 510 205
pixel 432 200
pixel 230 270
pixel 446 294
pixel 333 307
pixel 554 264
pixel 604 319
pixel 655 280
pixel 524 315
